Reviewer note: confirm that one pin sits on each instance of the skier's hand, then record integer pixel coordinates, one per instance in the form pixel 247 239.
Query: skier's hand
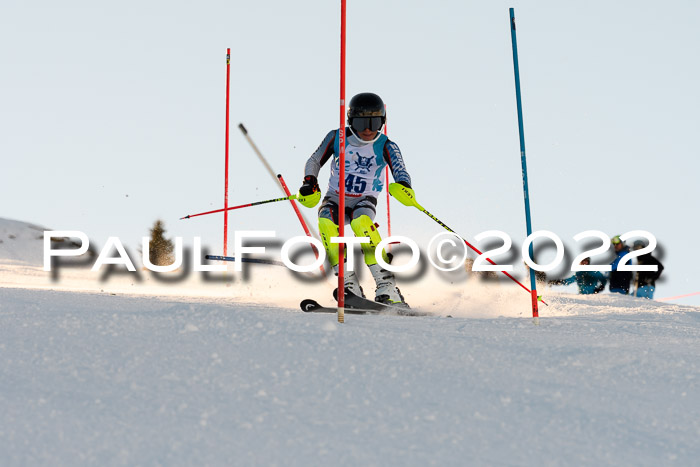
pixel 309 193
pixel 310 186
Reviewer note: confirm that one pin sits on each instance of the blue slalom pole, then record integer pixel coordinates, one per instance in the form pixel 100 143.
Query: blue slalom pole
pixel 523 161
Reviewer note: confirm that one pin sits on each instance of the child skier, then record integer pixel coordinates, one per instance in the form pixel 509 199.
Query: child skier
pixel 367 153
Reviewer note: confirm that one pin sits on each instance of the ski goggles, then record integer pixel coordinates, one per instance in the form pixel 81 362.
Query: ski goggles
pixel 361 123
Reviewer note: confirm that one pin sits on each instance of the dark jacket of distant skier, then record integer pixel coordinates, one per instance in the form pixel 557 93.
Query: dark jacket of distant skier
pixel 588 282
pixel 620 280
pixel 646 280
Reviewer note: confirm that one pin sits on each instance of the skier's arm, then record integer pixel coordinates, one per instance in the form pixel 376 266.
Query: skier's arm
pixel 602 279
pixel 661 268
pixel 568 280
pixel 393 157
pixel 310 194
pixel 320 156
pixel 615 261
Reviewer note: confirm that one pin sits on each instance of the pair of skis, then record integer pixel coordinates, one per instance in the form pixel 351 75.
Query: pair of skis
pixel 355 305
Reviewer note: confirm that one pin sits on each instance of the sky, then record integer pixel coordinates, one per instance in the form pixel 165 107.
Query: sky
pixel 114 117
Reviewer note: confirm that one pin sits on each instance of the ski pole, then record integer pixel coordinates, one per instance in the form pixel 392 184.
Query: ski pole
pixel 405 197
pixel 266 261
pixel 228 99
pixel 304 222
pixel 285 188
pixel 245 260
pixel 286 198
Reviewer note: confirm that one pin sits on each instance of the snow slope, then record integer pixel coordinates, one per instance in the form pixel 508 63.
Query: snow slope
pixel 101 379
pixel 21 242
pixel 123 373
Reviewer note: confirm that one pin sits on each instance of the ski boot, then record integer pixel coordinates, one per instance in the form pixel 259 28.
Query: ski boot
pixel 352 284
pixel 386 292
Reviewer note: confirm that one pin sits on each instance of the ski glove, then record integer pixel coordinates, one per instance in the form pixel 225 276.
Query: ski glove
pixel 309 193
pixel 310 186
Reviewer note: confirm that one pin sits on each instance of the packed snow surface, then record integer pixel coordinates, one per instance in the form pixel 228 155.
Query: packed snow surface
pixel 118 371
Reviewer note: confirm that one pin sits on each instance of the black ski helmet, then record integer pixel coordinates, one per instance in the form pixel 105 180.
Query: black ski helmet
pixel 366 104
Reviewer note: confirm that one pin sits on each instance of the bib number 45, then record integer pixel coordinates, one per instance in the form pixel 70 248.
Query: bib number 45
pixel 355 184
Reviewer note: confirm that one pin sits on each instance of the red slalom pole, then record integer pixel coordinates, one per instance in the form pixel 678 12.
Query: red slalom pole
pixel 677 297
pixel 296 208
pixel 301 218
pixel 341 171
pixel 228 87
pixel 388 198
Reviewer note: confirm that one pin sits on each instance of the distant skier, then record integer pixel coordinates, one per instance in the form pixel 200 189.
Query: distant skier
pixel 367 153
pixel 588 282
pixel 646 280
pixel 619 280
